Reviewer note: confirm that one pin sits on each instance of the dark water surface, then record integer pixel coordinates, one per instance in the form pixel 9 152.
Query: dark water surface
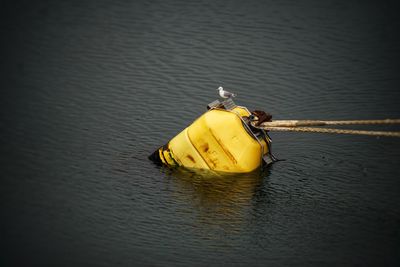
pixel 89 89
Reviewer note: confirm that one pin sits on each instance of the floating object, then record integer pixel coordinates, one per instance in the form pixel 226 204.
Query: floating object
pixel 222 139
pixel 230 138
pixel 225 94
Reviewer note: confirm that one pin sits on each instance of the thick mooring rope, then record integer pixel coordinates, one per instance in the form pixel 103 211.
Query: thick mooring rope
pixel 332 131
pixel 303 126
pixel 296 123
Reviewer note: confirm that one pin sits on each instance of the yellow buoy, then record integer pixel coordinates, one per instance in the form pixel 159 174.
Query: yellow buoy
pixel 219 140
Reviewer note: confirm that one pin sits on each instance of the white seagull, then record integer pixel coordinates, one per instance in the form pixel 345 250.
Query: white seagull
pixel 225 94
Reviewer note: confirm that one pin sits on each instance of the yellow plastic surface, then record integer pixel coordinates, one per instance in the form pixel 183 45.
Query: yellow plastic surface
pixel 218 141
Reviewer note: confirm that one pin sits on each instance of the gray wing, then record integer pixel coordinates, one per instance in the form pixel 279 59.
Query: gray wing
pixel 229 94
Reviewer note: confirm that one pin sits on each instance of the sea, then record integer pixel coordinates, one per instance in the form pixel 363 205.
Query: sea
pixel 89 89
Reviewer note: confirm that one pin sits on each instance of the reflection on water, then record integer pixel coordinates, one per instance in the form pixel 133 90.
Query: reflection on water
pixel 219 198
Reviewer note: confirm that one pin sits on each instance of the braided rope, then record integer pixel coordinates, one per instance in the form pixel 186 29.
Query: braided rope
pixel 296 123
pixel 330 130
pixel 365 122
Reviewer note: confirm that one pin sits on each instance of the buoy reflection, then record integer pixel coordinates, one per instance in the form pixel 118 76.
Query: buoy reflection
pixel 221 199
